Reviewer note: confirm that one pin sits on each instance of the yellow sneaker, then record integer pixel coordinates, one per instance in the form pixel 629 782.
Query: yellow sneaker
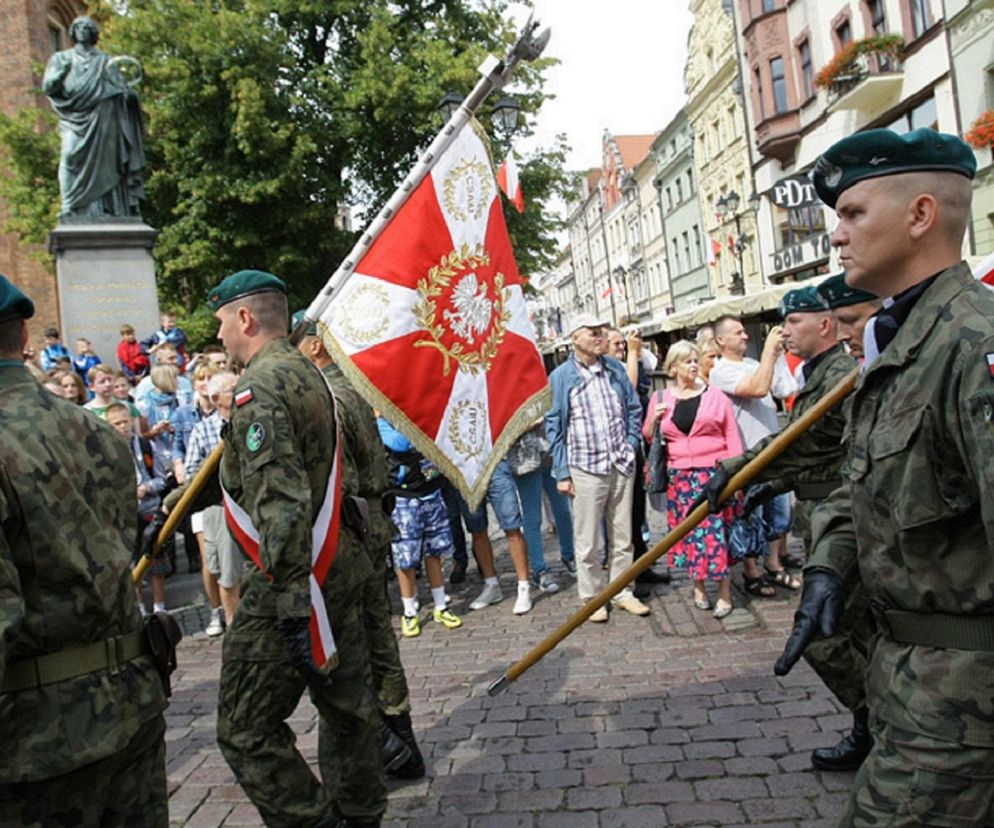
pixel 410 626
pixel 447 618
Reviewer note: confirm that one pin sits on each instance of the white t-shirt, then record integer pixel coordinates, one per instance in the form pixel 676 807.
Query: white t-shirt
pixel 755 416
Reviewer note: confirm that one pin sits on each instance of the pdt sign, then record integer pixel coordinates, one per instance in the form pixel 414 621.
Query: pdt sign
pixel 793 192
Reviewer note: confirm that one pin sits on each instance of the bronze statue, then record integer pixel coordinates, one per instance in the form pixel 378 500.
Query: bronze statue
pixel 100 169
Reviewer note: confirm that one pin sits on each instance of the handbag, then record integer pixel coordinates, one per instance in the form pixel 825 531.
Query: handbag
pixel 525 454
pixel 656 479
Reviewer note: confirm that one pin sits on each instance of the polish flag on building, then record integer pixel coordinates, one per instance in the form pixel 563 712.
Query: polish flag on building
pixel 985 271
pixel 432 326
pixel 507 180
pixel 607 292
pixel 714 251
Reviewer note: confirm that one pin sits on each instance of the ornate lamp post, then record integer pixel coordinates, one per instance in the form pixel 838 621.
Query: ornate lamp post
pixel 728 206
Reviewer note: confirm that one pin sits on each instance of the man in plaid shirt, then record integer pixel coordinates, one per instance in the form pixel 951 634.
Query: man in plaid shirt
pixel 593 428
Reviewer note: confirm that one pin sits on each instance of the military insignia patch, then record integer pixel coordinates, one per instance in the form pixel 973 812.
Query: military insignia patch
pixel 255 437
pixel 243 397
pixel 990 365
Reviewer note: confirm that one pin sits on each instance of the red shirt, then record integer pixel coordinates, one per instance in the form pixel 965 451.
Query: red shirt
pixel 133 362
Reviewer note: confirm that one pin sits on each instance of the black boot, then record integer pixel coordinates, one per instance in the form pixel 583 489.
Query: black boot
pixel 414 767
pixel 396 753
pixel 331 820
pixel 851 751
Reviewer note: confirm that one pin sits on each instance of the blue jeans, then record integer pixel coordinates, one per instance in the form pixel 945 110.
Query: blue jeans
pixel 530 488
pixel 778 516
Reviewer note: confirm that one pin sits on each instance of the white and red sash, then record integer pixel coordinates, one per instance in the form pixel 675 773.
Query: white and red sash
pixel 324 544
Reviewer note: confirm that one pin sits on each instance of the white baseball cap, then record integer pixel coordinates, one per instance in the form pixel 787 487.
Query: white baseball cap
pixel 587 320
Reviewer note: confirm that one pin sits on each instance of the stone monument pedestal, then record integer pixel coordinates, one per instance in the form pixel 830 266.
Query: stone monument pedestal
pixel 106 278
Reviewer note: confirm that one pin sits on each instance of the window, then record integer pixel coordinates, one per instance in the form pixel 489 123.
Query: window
pixel 690 183
pixel 676 256
pixel 679 191
pixel 843 33
pixel 923 115
pixel 779 85
pixel 919 16
pixel 54 38
pixel 878 17
pixel 989 78
pixel 807 71
pixel 669 200
pixel 698 250
pixel 760 97
pixel 769 5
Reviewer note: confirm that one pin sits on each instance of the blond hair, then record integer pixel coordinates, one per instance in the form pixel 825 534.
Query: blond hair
pixel 165 378
pixel 678 352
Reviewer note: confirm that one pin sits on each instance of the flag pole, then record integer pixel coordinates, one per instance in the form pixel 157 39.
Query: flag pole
pixel 495 73
pixel 777 446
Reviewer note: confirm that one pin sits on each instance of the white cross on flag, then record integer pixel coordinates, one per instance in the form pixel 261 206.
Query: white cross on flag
pixel 432 326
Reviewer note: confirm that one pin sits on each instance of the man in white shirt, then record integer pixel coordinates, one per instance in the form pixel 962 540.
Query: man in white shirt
pixel 751 386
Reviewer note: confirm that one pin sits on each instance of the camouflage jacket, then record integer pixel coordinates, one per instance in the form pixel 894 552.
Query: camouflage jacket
pixel 365 461
pixel 914 518
pixel 812 465
pixel 68 517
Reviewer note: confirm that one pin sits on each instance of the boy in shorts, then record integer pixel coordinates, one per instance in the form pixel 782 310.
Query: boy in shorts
pixel 423 532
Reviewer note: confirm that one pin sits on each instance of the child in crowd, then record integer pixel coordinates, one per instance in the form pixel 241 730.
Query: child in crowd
pixel 131 354
pixel 53 350
pixel 168 332
pixel 423 532
pixel 85 359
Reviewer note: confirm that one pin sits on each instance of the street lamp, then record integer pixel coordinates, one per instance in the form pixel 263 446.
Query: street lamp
pixel 620 278
pixel 504 112
pixel 728 205
pixel 449 104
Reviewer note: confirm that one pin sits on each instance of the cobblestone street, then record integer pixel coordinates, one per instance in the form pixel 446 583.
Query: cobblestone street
pixel 675 719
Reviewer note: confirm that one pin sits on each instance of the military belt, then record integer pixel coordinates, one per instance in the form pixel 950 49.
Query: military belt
pixel 937 629
pixel 111 653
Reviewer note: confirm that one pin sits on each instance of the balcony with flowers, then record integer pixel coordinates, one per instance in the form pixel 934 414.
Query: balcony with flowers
pixel 864 74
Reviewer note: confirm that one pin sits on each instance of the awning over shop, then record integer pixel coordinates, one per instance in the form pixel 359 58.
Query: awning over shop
pixel 741 306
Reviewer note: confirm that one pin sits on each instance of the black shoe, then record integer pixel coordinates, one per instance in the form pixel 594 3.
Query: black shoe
pixel 396 753
pixel 849 753
pixel 458 573
pixel 414 767
pixel 651 576
pixel 330 821
pixel 641 590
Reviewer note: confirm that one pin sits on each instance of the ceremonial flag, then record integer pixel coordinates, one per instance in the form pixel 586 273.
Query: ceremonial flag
pixel 432 326
pixel 714 252
pixel 507 180
pixel 985 271
pixel 607 292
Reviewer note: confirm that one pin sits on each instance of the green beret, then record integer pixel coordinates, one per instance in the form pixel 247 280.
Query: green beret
pixel 879 152
pixel 13 303
pixel 802 300
pixel 837 294
pixel 244 283
pixel 311 331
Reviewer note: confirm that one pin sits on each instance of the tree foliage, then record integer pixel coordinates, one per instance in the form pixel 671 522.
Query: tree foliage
pixel 266 117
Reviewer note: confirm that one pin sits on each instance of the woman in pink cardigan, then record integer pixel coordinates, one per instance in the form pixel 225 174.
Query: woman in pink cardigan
pixel 698 424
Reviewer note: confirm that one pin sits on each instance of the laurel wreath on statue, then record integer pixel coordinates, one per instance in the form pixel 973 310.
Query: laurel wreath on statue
pixel 426 310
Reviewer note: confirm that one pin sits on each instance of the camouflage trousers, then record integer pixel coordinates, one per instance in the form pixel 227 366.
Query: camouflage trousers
pixel 259 692
pixel 801 526
pixel 910 780
pixel 124 790
pixel 389 680
pixel 841 661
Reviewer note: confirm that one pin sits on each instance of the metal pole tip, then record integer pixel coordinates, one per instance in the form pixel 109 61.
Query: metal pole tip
pixel 499 686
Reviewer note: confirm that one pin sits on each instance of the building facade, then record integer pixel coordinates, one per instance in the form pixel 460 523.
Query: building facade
pixel 682 225
pixel 803 96
pixel 721 152
pixel 33 31
pixel 970 30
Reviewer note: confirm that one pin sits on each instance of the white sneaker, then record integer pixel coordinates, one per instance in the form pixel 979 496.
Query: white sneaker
pixel 491 595
pixel 523 603
pixel 215 627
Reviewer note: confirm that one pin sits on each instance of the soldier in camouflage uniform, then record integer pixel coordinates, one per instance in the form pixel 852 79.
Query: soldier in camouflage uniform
pixel 364 450
pixel 811 468
pixel 279 449
pixel 81 725
pixel 914 518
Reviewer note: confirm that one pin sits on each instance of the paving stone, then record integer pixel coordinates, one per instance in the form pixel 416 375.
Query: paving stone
pixel 735 788
pixel 703 813
pixel 699 769
pixel 658 792
pixel 583 799
pixel 643 816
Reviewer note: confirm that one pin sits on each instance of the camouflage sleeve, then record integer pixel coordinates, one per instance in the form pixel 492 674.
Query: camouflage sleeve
pixel 276 494
pixel 974 410
pixel 770 474
pixel 833 539
pixel 11 600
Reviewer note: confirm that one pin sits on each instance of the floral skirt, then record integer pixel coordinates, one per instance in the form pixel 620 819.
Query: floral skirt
pixel 704 551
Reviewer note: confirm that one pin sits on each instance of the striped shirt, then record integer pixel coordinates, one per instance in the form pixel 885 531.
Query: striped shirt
pixel 596 435
pixel 203 438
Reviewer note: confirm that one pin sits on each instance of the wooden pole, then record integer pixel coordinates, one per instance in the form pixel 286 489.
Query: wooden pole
pixel 739 480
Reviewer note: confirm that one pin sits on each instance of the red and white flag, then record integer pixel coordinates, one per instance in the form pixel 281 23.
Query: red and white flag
pixel 432 326
pixel 507 180
pixel 714 252
pixel 985 271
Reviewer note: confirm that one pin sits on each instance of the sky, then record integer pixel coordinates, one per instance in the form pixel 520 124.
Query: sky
pixel 621 69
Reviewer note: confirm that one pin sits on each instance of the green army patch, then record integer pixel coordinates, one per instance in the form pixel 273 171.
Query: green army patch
pixel 255 436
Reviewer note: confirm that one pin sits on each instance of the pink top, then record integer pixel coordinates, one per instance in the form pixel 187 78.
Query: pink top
pixel 713 437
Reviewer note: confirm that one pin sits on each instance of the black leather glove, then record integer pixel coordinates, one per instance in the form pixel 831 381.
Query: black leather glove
pixel 756 496
pixel 297 637
pixel 821 605
pixel 712 491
